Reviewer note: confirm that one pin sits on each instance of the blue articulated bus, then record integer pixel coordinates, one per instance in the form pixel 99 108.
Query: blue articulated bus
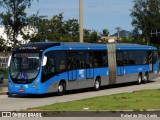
pixel 46 67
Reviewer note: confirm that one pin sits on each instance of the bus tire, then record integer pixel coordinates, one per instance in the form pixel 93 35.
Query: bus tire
pixel 9 94
pixel 139 79
pixel 97 84
pixel 61 89
pixel 146 78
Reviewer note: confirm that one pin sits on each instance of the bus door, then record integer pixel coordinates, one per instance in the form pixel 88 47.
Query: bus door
pixel 89 65
pixel 120 66
pixel 150 60
pixel 72 70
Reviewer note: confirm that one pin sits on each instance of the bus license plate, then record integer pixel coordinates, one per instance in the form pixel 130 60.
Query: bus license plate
pixel 21 90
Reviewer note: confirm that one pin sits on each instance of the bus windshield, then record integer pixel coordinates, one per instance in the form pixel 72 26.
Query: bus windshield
pixel 24 66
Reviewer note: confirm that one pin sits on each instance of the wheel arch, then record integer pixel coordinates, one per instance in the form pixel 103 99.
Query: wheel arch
pixel 64 82
pixel 99 78
pixel 140 74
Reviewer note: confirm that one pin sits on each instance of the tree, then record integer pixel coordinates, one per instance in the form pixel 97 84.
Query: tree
pixel 58 29
pixel 40 24
pixel 146 17
pixel 71 29
pixel 14 18
pixel 127 40
pixel 54 29
pixel 94 37
pixel 105 32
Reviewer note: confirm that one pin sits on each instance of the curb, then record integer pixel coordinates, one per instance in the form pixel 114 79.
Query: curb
pixel 3 91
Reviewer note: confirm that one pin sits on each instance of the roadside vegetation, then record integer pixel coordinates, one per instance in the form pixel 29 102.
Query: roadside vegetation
pixel 136 101
pixel 5 72
pixel 145 16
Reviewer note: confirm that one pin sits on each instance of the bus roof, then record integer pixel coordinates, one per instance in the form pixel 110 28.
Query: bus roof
pixel 36 46
pixel 124 46
pixel 41 46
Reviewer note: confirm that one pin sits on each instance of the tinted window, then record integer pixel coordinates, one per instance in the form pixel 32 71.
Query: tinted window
pixel 60 61
pixel 131 57
pixel 49 68
pixel 89 59
pixel 125 58
pixel 81 61
pixel 155 56
pixel 128 57
pixel 104 59
pixel 71 60
pixel 56 63
pixel 141 57
pixel 97 58
pixel 119 57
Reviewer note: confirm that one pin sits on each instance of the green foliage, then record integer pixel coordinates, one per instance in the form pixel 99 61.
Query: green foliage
pixel 134 39
pixel 5 72
pixel 3 46
pixel 54 29
pixel 126 40
pixel 146 17
pixel 105 32
pixel 14 18
pixel 58 29
pixel 91 36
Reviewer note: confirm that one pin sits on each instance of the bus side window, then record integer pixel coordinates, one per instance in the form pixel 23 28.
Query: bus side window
pixel 144 60
pixel 62 65
pixel 105 59
pixel 119 58
pixel 141 57
pixel 50 67
pixel 155 56
pixel 89 59
pixel 71 61
pixel 81 59
pixel 95 63
pixel 98 62
pixel 128 58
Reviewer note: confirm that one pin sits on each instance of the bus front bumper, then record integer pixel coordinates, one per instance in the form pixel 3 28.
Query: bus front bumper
pixel 24 90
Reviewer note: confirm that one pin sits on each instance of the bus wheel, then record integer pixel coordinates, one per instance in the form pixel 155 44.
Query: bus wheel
pixel 139 79
pixel 61 89
pixel 146 78
pixel 97 84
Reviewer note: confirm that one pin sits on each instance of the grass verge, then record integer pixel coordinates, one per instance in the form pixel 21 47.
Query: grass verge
pixel 137 101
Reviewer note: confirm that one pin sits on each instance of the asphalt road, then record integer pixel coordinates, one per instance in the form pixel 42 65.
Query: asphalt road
pixel 22 103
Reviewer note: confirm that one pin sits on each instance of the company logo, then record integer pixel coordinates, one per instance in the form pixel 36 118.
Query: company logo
pixel 6 114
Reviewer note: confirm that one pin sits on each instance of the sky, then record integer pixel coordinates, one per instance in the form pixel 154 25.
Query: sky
pixel 98 14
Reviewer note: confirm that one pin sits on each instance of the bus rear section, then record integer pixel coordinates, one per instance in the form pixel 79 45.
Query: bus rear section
pixel 136 63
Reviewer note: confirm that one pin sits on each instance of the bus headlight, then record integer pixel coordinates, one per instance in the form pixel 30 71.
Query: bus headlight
pixel 35 84
pixel 10 84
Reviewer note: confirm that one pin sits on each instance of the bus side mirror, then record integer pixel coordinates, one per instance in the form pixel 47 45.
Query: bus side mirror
pixel 44 61
pixel 9 61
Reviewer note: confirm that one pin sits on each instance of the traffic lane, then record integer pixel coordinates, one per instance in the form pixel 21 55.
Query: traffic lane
pixel 19 103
